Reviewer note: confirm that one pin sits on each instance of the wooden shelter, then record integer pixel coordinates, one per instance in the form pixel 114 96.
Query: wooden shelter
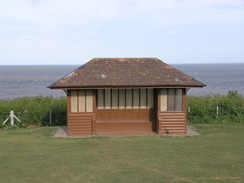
pixel 136 95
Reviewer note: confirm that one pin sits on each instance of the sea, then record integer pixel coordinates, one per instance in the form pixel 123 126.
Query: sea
pixel 20 81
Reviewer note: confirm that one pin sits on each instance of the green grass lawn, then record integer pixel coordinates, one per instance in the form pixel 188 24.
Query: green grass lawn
pixel 33 155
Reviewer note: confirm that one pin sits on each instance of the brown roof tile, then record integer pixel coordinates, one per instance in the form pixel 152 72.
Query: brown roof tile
pixel 126 72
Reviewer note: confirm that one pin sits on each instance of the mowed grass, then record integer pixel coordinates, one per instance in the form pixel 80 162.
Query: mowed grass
pixel 33 155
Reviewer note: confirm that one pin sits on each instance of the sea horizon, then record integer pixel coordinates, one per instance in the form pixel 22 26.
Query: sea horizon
pixel 32 80
pixel 217 63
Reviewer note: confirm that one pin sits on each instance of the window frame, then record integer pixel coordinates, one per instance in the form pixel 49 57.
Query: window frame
pixel 132 90
pixel 78 101
pixel 175 100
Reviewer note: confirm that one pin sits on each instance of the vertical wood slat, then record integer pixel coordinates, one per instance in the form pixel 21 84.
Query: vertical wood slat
pixel 94 126
pixel 158 98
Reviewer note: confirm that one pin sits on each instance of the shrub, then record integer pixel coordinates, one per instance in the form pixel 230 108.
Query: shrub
pixel 35 110
pixel 204 109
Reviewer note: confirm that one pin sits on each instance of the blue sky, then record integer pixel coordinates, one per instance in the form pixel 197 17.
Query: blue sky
pixel 73 31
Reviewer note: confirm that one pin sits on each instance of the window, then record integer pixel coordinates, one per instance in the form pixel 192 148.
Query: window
pixel 81 101
pixel 143 98
pixel 74 102
pixel 89 101
pixel 124 98
pixel 128 98
pixel 107 99
pixel 136 97
pixel 100 99
pixel 115 101
pixel 171 100
pixel 178 98
pixel 121 98
pixel 163 100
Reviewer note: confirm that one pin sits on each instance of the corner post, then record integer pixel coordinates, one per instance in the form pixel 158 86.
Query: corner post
pixel 94 128
pixel 158 111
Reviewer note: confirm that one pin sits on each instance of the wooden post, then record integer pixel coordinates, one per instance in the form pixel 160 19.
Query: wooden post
pixel 50 118
pixel 185 103
pixel 217 112
pixel 94 129
pixel 158 110
pixel 11 117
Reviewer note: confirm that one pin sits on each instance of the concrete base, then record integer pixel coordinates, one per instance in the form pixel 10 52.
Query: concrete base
pixel 62 133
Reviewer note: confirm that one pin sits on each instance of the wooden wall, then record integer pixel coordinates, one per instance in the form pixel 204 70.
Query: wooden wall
pixel 81 123
pixel 166 116
pixel 137 120
pixel 81 112
pixel 171 122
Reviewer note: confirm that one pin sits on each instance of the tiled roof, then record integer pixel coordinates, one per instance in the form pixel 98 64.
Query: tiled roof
pixel 125 72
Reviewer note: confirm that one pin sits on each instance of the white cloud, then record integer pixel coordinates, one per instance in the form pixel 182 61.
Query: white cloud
pixel 61 30
pixel 155 12
pixel 87 33
pixel 173 31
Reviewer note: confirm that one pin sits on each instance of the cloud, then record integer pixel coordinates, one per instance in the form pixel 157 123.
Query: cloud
pixel 173 31
pixel 61 30
pixel 55 13
pixel 87 33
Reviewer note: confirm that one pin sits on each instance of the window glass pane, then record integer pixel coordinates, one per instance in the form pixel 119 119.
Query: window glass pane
pixel 82 101
pixel 74 101
pixel 143 98
pixel 135 98
pixel 89 101
pixel 115 98
pixel 100 99
pixel 171 100
pixel 128 98
pixel 121 98
pixel 150 98
pixel 107 99
pixel 178 106
pixel 163 100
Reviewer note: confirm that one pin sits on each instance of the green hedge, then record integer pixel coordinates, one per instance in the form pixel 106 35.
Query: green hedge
pixel 35 110
pixel 204 109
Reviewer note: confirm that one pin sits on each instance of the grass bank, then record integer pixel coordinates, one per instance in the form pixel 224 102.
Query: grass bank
pixel 33 155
